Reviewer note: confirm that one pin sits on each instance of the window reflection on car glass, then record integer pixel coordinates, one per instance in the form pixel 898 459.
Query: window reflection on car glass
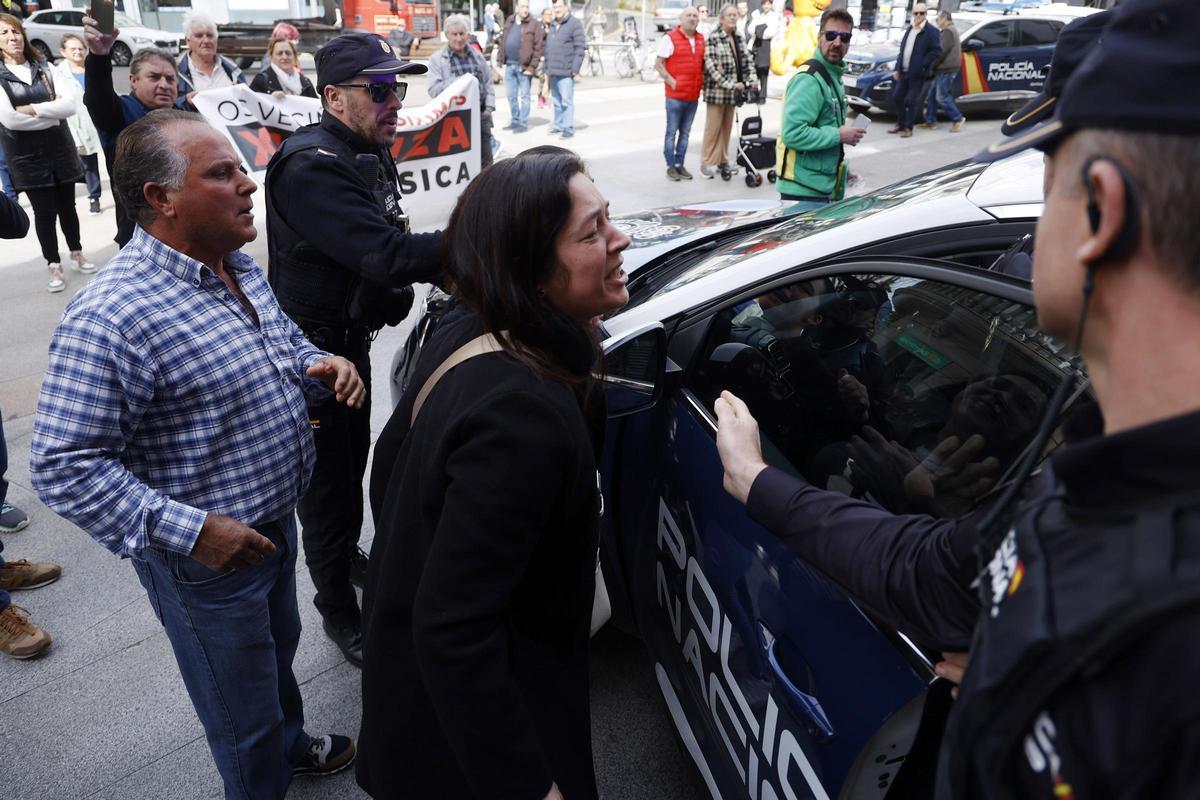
pixel 950 181
pixel 910 393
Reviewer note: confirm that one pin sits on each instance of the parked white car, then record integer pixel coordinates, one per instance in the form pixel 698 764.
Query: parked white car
pixel 45 30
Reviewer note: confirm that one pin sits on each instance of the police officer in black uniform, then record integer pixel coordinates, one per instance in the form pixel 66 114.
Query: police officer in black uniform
pixel 1077 595
pixel 341 262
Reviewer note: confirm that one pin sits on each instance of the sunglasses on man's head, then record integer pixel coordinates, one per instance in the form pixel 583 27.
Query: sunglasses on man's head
pixel 379 91
pixel 845 37
pixel 918 13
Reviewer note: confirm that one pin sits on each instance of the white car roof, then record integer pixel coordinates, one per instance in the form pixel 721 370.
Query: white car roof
pixel 1008 189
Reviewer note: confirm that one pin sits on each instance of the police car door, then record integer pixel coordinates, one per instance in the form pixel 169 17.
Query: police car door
pixel 989 54
pixel 1036 40
pixel 857 374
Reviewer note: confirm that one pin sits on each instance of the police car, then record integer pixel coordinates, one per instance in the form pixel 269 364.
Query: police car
pixel 1005 59
pixel 877 312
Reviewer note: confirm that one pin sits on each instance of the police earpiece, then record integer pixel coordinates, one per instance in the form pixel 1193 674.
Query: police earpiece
pixel 1131 229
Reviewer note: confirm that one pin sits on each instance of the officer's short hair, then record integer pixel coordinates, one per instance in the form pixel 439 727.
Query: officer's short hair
pixel 836 15
pixel 1163 168
pixel 455 20
pixel 146 154
pixel 150 54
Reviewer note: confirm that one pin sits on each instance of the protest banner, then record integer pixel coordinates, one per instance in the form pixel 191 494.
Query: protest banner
pixel 437 144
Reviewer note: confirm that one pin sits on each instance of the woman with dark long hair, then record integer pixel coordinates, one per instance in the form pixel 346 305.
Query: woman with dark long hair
pixel 481 581
pixel 41 155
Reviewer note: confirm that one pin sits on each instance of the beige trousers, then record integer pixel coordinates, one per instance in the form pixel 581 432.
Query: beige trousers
pixel 718 124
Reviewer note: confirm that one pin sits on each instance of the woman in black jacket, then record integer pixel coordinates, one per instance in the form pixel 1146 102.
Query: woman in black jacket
pixel 42 159
pixel 481 581
pixel 283 76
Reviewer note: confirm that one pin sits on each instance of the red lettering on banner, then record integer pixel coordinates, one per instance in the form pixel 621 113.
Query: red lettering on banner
pixel 453 134
pixel 448 136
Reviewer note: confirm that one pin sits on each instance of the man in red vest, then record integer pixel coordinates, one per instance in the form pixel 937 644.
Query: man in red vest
pixel 680 62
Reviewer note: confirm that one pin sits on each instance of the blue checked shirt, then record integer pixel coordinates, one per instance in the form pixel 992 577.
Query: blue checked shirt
pixel 163 401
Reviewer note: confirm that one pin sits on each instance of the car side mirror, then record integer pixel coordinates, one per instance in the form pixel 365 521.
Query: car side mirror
pixel 635 364
pixel 972 45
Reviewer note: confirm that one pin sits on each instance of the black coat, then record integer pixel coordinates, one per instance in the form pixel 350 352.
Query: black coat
pixel 481 580
pixel 37 159
pixel 267 81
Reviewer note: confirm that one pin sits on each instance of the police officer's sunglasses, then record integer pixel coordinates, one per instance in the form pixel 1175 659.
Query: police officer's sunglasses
pixel 379 91
pixel 831 35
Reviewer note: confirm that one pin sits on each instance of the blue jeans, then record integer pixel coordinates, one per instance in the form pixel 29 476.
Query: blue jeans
pixel 5 181
pixel 516 86
pixel 940 95
pixel 680 114
pixel 234 635
pixel 562 96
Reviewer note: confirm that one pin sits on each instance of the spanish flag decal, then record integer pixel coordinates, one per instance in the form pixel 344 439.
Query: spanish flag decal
pixel 972 74
pixel 1015 581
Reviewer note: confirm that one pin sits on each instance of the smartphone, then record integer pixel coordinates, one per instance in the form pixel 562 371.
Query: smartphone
pixel 102 12
pixel 862 121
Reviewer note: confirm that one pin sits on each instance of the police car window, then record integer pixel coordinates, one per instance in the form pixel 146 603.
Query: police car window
pixel 914 394
pixel 1038 31
pixel 54 18
pixel 997 34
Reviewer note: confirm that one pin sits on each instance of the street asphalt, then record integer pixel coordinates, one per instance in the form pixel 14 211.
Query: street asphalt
pixel 104 713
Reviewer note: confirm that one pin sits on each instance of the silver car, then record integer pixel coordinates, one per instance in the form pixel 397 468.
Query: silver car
pixel 45 30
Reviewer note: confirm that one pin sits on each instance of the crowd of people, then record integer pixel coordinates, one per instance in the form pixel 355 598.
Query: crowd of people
pixel 195 404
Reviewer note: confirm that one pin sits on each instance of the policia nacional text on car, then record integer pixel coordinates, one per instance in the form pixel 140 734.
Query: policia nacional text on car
pixel 342 262
pixel 1083 628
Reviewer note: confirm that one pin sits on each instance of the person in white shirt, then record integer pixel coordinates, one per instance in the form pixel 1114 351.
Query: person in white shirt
pixel 69 81
pixel 761 28
pixel 41 155
pixel 202 67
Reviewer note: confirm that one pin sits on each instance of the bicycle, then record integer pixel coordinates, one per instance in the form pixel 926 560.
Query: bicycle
pixel 593 63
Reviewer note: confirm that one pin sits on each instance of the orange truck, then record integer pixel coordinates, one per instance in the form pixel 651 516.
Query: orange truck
pixel 246 42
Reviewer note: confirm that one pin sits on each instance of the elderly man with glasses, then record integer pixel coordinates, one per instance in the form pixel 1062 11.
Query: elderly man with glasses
pixel 920 48
pixel 341 262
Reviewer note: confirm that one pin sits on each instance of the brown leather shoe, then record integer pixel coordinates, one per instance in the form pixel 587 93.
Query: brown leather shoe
pixel 20 638
pixel 16 575
pixel 929 126
pixel 906 133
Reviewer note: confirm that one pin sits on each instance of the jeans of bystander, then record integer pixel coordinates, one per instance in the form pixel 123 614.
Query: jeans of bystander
pixel 91 175
pixel 516 86
pixel 907 96
pixel 234 635
pixel 5 181
pixel 562 96
pixel 680 114
pixel 941 96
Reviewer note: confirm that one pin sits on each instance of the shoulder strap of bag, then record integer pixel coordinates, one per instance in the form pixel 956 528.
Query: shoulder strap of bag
pixel 816 66
pixel 480 345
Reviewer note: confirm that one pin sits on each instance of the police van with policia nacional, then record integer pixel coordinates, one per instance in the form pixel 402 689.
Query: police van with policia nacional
pixel 1082 582
pixel 341 262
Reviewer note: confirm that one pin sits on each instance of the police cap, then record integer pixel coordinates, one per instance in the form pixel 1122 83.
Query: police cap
pixel 353 54
pixel 1122 84
pixel 1075 43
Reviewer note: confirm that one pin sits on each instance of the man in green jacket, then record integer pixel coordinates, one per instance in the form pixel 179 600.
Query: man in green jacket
pixel 810 158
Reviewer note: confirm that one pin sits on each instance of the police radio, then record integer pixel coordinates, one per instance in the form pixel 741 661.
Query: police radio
pixel 1131 229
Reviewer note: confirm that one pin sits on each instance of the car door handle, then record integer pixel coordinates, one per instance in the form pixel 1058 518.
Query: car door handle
pixel 809 707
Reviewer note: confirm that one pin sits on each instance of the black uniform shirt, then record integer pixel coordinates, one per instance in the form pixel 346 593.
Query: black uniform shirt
pixel 1132 730
pixel 324 197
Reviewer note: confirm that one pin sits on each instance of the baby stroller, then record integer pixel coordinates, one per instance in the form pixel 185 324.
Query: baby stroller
pixel 755 151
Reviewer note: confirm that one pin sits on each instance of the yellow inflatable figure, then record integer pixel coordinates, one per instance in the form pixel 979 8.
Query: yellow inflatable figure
pixel 799 41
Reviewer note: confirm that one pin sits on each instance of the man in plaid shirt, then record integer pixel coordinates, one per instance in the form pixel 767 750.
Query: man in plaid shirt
pixel 172 427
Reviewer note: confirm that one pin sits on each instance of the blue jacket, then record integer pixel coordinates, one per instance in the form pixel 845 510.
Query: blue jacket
pixel 926 51
pixel 565 47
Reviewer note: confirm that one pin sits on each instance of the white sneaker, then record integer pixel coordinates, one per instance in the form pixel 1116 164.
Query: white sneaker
pixel 958 126
pixel 57 283
pixel 707 171
pixel 81 264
